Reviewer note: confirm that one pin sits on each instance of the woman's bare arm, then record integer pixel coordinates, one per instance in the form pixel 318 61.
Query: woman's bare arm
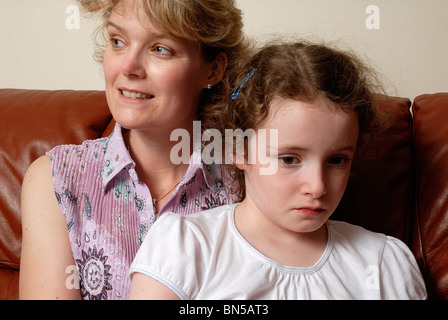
pixel 46 260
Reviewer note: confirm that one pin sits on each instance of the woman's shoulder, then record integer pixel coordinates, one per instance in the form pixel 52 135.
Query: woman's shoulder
pixel 39 170
pixel 95 147
pixel 71 157
pixel 83 163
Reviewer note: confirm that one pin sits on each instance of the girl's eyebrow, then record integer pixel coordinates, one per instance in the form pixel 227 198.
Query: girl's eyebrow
pixel 299 149
pixel 349 148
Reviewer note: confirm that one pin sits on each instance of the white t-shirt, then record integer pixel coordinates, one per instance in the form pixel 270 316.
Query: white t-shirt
pixel 203 256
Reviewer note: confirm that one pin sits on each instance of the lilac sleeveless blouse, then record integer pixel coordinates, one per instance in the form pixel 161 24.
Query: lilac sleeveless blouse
pixel 109 211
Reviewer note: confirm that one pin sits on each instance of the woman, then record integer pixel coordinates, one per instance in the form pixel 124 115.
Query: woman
pixel 163 63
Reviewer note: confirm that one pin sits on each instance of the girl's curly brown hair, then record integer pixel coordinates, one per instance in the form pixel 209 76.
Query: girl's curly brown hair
pixel 299 71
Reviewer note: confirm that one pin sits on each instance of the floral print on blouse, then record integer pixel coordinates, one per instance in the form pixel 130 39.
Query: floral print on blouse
pixel 109 211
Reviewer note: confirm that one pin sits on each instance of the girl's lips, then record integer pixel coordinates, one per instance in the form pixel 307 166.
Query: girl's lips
pixel 135 94
pixel 310 211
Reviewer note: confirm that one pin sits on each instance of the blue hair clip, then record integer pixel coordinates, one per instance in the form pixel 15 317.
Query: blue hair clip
pixel 240 86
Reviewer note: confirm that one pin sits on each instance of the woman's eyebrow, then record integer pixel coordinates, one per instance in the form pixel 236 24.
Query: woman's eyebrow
pixel 154 33
pixel 111 24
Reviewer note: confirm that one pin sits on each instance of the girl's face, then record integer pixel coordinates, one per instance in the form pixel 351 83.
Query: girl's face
pixel 315 150
pixel 152 81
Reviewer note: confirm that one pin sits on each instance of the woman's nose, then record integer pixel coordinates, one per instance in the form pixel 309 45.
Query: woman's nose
pixel 133 65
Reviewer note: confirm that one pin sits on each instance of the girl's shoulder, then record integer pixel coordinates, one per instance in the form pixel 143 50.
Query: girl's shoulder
pixel 204 223
pixel 387 262
pixel 350 232
pixel 368 246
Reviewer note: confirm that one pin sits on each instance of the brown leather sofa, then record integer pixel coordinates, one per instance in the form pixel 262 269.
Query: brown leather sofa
pixel 401 191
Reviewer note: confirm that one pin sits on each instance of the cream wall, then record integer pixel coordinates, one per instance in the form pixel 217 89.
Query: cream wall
pixel 44 45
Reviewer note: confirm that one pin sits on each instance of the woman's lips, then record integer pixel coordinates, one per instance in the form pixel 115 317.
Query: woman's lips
pixel 135 95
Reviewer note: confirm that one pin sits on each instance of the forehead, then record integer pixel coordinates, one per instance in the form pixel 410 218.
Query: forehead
pixel 320 107
pixel 156 15
pixel 128 17
pixel 312 125
pixel 130 12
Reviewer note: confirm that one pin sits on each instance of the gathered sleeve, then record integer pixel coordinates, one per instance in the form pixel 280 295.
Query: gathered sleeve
pixel 172 253
pixel 400 278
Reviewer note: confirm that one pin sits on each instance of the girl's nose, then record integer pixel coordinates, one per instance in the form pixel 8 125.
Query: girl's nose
pixel 314 182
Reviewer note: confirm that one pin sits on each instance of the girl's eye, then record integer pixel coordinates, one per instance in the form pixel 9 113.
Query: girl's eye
pixel 289 160
pixel 339 161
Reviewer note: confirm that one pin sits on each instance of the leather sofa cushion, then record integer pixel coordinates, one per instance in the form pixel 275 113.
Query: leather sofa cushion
pixel 430 243
pixel 32 122
pixel 378 195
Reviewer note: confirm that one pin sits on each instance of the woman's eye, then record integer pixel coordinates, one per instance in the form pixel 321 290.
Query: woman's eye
pixel 117 43
pixel 162 50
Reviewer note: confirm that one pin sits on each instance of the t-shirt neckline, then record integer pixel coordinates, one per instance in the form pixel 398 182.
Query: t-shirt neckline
pixel 277 265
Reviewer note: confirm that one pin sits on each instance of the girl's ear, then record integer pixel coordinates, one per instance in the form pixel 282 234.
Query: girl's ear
pixel 218 69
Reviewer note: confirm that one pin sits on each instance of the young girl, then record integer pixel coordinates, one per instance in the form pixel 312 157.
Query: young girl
pixel 87 208
pixel 278 242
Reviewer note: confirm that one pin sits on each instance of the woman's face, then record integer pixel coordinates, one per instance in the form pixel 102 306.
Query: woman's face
pixel 153 82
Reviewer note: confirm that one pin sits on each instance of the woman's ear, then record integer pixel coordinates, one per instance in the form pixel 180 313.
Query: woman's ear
pixel 239 162
pixel 240 166
pixel 218 69
pixel 231 154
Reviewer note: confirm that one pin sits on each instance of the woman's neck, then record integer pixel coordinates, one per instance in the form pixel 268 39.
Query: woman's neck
pixel 151 152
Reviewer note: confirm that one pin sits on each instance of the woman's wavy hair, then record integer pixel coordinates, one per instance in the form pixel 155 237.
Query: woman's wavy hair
pixel 216 25
pixel 299 71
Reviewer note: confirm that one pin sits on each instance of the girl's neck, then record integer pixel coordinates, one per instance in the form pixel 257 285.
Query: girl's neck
pixel 288 248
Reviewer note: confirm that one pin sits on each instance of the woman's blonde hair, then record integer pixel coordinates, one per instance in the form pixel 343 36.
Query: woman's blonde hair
pixel 299 71
pixel 216 25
